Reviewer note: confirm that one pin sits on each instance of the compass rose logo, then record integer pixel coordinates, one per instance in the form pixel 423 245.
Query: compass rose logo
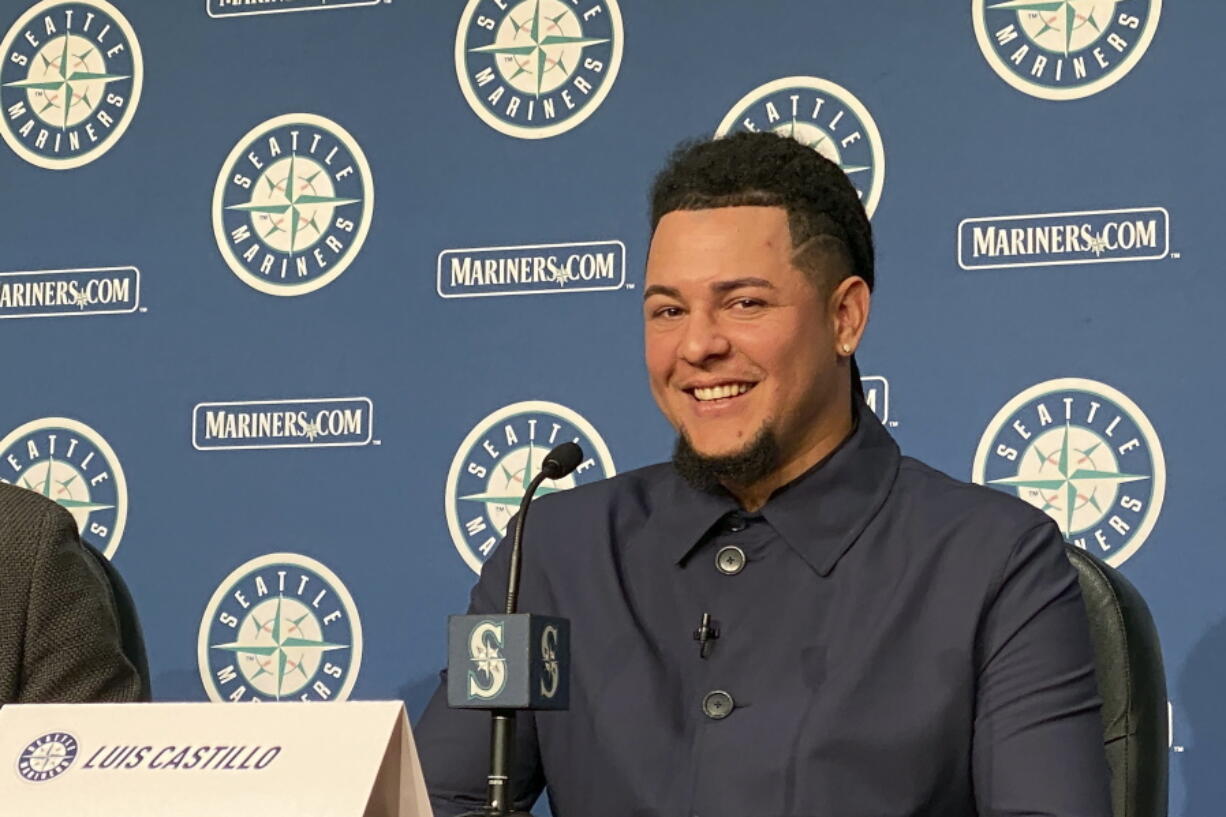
pixel 292 204
pixel 1084 453
pixel 826 117
pixel 539 67
pixel 69 82
pixel 280 627
pixel 499 457
pixel 1064 49
pixel 71 464
pixel 47 756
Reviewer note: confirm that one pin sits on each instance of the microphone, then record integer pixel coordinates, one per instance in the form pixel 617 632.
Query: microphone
pixel 558 463
pixel 706 633
pixel 522 661
pixel 562 460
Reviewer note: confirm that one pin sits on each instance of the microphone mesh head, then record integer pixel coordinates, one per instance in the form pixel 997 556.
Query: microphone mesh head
pixel 562 460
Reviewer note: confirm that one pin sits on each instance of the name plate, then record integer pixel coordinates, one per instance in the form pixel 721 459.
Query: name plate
pixel 352 759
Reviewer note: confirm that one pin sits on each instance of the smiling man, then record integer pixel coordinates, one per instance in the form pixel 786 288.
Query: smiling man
pixel 745 359
pixel 874 638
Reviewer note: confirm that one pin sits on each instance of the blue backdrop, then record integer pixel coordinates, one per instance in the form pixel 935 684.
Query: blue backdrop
pixel 295 290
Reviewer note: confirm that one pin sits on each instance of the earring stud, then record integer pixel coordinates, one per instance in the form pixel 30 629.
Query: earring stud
pixel 847 348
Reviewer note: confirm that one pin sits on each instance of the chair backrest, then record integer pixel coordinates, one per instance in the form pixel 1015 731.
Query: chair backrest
pixel 1132 684
pixel 130 636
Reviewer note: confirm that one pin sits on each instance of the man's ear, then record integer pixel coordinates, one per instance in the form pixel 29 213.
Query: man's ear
pixel 849 306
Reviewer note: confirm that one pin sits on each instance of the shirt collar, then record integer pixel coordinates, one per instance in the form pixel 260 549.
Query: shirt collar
pixel 820 514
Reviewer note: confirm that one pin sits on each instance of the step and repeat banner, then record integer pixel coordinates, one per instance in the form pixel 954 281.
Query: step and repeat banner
pixel 295 293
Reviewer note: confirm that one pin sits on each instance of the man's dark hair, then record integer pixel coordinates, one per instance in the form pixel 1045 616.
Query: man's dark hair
pixel 825 217
pixel 826 220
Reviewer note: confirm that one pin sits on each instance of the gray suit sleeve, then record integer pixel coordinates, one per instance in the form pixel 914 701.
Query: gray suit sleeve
pixel 72 650
pixel 454 744
pixel 1038 735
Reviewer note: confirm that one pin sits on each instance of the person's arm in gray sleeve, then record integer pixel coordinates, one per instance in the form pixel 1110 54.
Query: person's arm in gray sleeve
pixel 1038 734
pixel 454 744
pixel 72 651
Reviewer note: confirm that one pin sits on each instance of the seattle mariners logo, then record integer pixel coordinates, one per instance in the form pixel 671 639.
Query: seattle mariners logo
pixel 826 117
pixel 280 627
pixel 499 457
pixel 1064 49
pixel 70 80
pixel 549 658
pixel 47 756
pixel 485 650
pixel 1084 453
pixel 536 68
pixel 70 463
pixel 292 204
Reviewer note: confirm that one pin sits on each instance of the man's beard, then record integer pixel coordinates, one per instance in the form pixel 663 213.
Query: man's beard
pixel 758 459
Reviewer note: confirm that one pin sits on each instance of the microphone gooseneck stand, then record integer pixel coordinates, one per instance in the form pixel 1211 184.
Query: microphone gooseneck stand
pixel 498 803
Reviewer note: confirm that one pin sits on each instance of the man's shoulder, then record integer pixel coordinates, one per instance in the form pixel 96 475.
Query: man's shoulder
pixel 25 512
pixel 605 513
pixel 947 499
pixel 568 527
pixel 973 529
pixel 29 522
pixel 629 493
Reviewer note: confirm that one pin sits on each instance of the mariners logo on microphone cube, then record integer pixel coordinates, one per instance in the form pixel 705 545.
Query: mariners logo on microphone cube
pixel 519 661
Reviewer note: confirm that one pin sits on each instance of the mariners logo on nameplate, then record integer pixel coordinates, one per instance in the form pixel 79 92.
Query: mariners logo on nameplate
pixel 70 80
pixel 823 115
pixel 1087 455
pixel 499 457
pixel 537 68
pixel 47 756
pixel 280 627
pixel 1064 49
pixel 71 464
pixel 292 204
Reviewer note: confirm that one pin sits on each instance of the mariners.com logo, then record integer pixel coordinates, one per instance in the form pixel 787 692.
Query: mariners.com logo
pixel 532 269
pixel 306 423
pixel 55 293
pixel 242 8
pixel 1051 239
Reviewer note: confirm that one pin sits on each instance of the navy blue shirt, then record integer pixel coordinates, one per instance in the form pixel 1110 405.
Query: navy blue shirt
pixel 891 642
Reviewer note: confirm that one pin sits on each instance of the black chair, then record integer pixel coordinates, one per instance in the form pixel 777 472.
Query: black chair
pixel 1132 684
pixel 130 636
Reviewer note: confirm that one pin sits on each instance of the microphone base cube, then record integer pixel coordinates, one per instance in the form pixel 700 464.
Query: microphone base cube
pixel 500 661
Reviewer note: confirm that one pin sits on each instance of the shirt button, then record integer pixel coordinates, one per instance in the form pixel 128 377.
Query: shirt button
pixel 717 705
pixel 730 560
pixel 735 523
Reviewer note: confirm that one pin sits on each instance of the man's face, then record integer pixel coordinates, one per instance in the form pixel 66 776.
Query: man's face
pixel 738 340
